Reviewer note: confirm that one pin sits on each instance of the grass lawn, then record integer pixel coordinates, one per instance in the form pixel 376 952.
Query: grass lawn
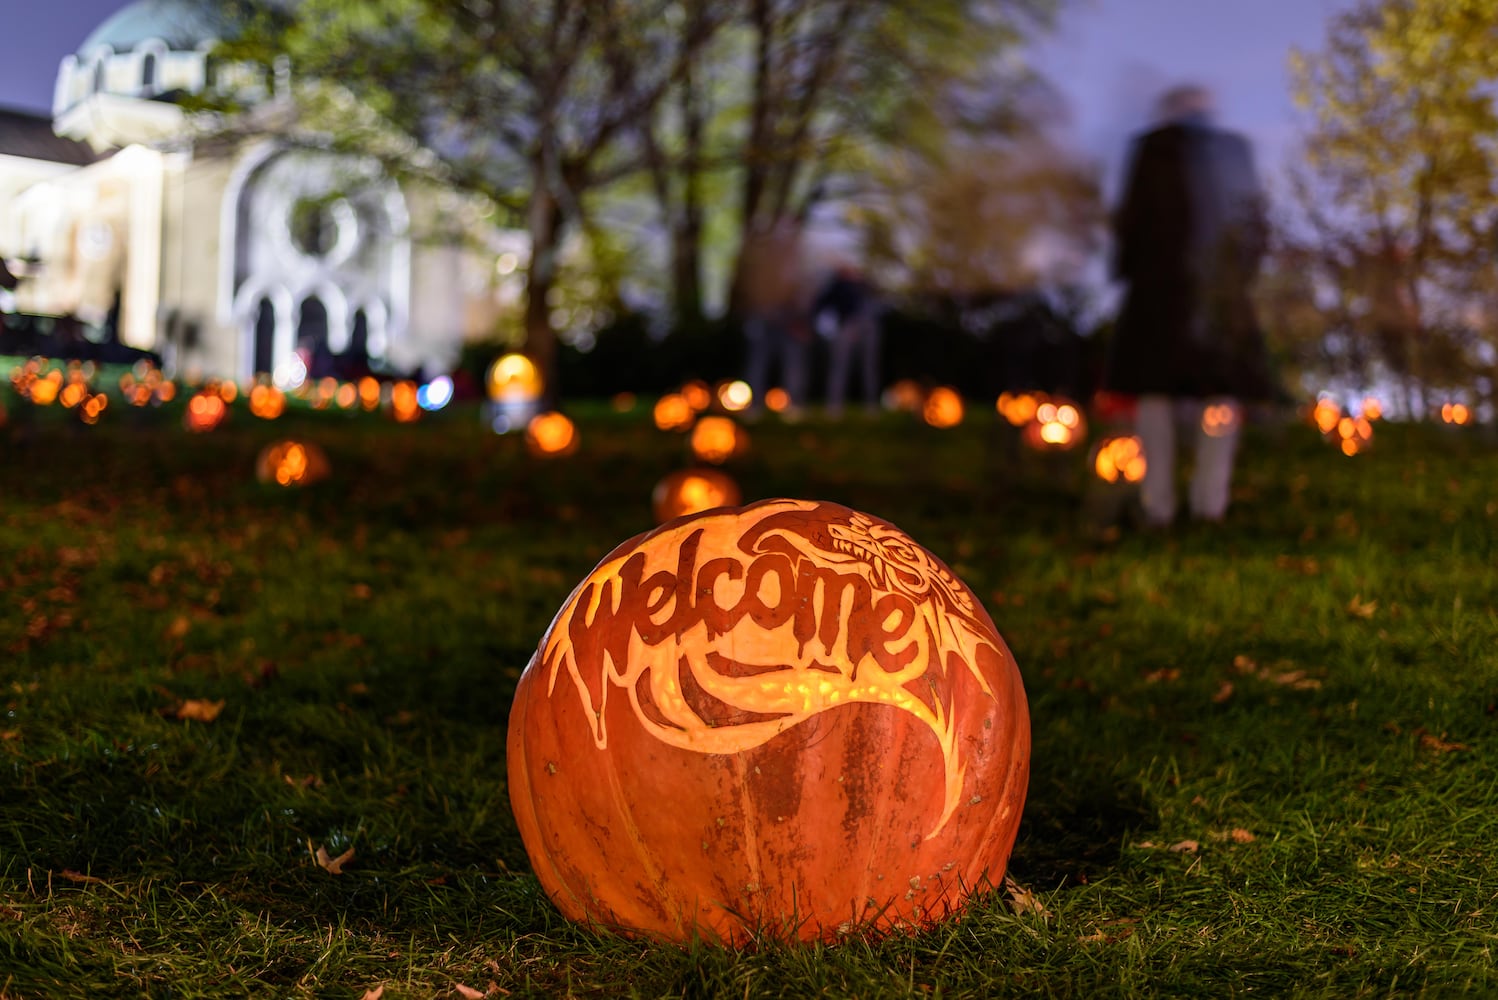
pixel 1265 754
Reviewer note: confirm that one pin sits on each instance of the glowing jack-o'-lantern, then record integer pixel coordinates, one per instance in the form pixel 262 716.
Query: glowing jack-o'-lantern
pixel 785 720
pixel 514 378
pixel 735 396
pixel 692 491
pixel 44 389
pixel 777 400
pixel 1119 460
pixel 205 411
pixel 943 407
pixel 1456 414
pixel 1325 414
pixel 1373 408
pixel 697 394
pixel 405 406
pixel 1353 435
pixel 1018 407
pixel 1219 419
pixel 267 402
pixel 291 463
pixel 717 439
pixel 904 395
pixel 92 408
pixel 1058 426
pixel 551 435
pixel 673 413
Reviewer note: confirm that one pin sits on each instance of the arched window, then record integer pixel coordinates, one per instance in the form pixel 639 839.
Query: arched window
pixel 148 71
pixel 312 337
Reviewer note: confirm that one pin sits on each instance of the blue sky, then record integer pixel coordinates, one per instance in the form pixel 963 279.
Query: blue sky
pixel 1109 57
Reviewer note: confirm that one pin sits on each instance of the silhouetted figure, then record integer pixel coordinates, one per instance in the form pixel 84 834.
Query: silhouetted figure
pixel 1190 233
pixel 777 326
pixel 850 306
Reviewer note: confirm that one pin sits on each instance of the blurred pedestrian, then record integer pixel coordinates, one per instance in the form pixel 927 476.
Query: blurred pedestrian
pixel 848 309
pixel 1189 236
pixel 777 321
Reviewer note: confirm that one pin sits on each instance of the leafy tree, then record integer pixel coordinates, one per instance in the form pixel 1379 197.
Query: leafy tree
pixel 1400 183
pixel 531 103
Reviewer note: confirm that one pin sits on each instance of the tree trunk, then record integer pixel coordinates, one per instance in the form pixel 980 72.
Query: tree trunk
pixel 686 263
pixel 544 226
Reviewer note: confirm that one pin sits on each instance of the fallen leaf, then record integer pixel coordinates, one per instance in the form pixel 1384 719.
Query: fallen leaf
pixel 1244 665
pixel 199 709
pixel 1439 743
pixel 1145 845
pixel 374 993
pixel 1023 901
pixel 7 735
pixel 361 591
pixel 468 992
pixel 178 628
pixel 334 865
pixel 1184 847
pixel 1359 608
pixel 1241 836
pixel 310 781
pixel 73 876
pixel 1163 674
pixel 1224 692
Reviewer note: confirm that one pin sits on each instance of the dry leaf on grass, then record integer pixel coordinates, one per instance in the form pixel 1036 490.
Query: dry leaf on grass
pixel 73 876
pixel 1184 847
pixel 1439 743
pixel 1359 608
pixel 468 992
pixel 178 628
pixel 374 992
pixel 1163 674
pixel 1224 692
pixel 333 865
pixel 199 709
pixel 1023 901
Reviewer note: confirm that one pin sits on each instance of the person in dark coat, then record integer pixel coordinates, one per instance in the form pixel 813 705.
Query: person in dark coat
pixel 850 308
pixel 1189 235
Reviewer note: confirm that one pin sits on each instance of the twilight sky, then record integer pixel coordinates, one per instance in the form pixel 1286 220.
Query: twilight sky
pixel 1109 57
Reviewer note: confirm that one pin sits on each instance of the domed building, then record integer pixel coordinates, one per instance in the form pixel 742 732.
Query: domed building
pixel 233 252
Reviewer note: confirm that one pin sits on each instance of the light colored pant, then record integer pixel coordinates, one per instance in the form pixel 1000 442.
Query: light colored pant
pixel 1155 422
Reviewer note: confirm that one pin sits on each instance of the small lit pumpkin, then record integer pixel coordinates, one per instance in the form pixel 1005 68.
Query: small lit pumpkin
pixel 785 720
pixel 1456 414
pixel 44 389
pixel 697 394
pixel 514 378
pixel 1219 419
pixel 369 392
pixel 777 400
pixel 692 491
pixel 717 439
pixel 672 412
pixel 267 402
pixel 205 411
pixel 405 406
pixel 291 463
pixel 1058 425
pixel 1119 459
pixel 551 435
pixel 904 395
pixel 735 396
pixel 943 407
pixel 1325 415
pixel 1353 435
pixel 1018 407
pixel 92 408
pixel 1373 408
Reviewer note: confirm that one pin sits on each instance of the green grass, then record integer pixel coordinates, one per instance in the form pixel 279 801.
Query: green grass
pixel 1309 692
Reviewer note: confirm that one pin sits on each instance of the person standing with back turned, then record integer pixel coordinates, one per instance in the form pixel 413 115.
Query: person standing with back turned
pixel 1189 235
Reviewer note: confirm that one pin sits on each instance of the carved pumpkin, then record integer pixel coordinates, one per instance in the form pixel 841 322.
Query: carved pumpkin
pixel 717 439
pixel 1058 426
pixel 404 406
pixel 1325 414
pixel 291 463
pixel 1219 419
pixel 1018 407
pixel 514 378
pixel 786 719
pixel 205 411
pixel 691 491
pixel 267 402
pixel 672 412
pixel 1353 435
pixel 551 435
pixel 1119 460
pixel 943 407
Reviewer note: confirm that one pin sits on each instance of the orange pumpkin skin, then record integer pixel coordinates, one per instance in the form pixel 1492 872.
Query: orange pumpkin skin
pixel 784 720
